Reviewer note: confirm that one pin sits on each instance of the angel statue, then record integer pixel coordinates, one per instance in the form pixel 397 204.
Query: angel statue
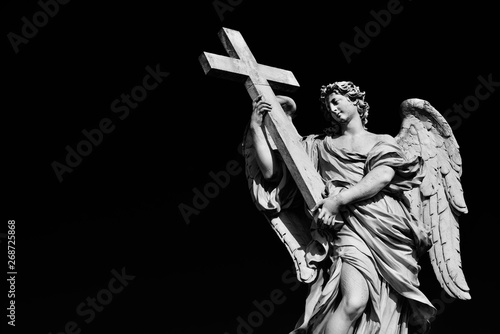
pixel 386 202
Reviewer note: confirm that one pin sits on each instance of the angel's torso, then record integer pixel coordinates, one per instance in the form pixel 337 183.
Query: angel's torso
pixel 361 143
pixel 338 162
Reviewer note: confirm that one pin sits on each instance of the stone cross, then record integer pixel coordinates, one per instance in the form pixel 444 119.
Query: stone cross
pixel 259 79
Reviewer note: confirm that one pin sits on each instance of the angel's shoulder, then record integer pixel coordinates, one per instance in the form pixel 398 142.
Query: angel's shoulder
pixel 386 139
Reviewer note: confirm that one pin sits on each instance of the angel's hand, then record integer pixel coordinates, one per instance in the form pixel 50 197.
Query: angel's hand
pixel 327 209
pixel 260 109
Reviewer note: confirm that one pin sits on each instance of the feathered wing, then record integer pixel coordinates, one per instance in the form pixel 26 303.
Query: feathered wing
pixel 439 200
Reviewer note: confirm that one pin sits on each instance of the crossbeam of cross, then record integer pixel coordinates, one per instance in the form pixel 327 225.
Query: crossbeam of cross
pixel 241 66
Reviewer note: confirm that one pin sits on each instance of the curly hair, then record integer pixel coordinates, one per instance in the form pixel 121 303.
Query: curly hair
pixel 353 93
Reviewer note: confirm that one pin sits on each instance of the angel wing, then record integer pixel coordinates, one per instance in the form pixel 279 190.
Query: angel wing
pixel 439 200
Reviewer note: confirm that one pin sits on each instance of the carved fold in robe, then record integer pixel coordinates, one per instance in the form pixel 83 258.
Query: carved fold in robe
pixel 283 207
pixel 380 238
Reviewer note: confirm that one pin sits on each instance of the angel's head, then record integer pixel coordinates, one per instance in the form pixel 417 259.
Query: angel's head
pixel 352 93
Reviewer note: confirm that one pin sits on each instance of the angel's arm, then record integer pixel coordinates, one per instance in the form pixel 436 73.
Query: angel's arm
pixel 265 156
pixel 373 182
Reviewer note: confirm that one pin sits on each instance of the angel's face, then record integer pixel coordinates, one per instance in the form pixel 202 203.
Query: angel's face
pixel 341 108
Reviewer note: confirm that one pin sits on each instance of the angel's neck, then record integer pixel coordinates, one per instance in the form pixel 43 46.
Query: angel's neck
pixel 353 128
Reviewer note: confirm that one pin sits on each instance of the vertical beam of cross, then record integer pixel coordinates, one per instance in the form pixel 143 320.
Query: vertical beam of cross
pixel 241 66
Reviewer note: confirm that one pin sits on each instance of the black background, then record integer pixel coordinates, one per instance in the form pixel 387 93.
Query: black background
pixel 119 208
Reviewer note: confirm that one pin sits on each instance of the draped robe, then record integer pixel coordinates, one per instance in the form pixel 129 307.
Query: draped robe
pixel 379 237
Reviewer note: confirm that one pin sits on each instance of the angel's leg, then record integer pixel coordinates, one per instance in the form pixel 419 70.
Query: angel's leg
pixel 355 295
